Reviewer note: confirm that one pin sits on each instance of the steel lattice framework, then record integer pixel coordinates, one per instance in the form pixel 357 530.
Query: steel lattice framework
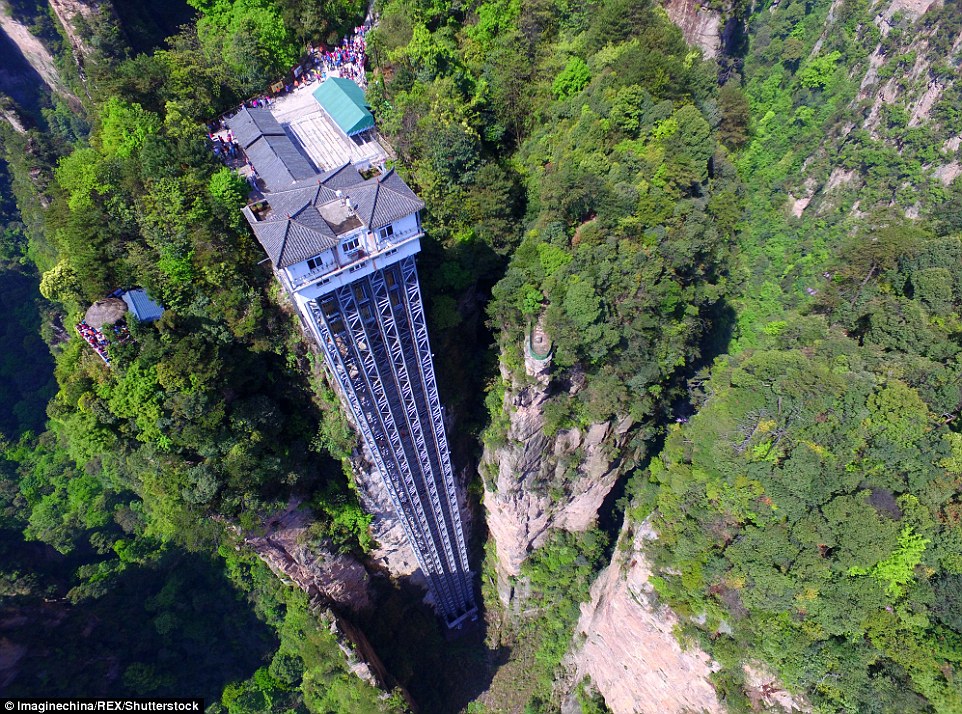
pixel 375 338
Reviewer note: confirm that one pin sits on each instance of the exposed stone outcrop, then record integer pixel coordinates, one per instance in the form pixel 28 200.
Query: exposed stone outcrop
pixel 287 547
pixel 766 692
pixel 914 89
pixel 329 579
pixel 33 51
pixel 948 173
pixel 915 8
pixel 361 658
pixel 534 483
pixel 700 25
pixel 13 119
pixel 68 12
pixel 393 551
pixel 625 643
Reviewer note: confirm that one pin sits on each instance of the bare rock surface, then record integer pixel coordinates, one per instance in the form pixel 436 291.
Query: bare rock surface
pixel 67 12
pixel 629 648
pixel 948 173
pixel 766 693
pixel 701 26
pixel 393 552
pixel 13 120
pixel 288 549
pixel 534 483
pixel 361 658
pixel 915 8
pixel 34 52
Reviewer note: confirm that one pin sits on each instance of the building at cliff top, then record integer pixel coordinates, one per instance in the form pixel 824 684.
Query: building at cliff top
pixel 317 135
pixel 343 247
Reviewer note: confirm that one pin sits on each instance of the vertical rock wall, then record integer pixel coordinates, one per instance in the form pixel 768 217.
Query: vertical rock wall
pixel 287 548
pixel 533 483
pixel 700 25
pixel 626 644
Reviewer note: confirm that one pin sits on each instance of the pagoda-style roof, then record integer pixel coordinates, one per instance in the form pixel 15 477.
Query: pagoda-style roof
pixel 309 218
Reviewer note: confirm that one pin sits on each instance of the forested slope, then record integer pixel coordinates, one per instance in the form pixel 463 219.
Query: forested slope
pixel 208 421
pixel 807 513
pixel 576 141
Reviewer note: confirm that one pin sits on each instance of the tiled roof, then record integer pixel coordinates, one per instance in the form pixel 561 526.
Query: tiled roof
pixel 295 239
pixel 340 177
pixel 383 200
pixel 249 125
pixel 278 162
pixel 295 230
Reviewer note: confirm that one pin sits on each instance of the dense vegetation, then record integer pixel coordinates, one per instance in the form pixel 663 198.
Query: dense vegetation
pixel 544 133
pixel 808 509
pixel 582 167
pixel 807 513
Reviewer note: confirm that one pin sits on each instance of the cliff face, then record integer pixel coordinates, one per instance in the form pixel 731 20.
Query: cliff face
pixel 902 76
pixel 68 12
pixel 34 53
pixel 625 646
pixel 534 483
pixel 332 578
pixel 329 579
pixel 628 647
pixel 393 552
pixel 700 25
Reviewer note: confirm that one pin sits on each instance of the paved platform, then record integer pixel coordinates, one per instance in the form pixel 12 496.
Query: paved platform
pixel 317 135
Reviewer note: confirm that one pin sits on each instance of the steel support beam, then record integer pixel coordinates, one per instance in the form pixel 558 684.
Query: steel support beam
pixel 375 340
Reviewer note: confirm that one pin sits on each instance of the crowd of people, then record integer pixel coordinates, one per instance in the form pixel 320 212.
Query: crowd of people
pixel 348 59
pixel 225 147
pixel 99 341
pixel 95 338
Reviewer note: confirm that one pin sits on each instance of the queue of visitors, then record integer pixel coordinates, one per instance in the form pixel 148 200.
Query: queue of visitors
pixel 99 341
pixel 348 59
pixel 95 338
pixel 225 146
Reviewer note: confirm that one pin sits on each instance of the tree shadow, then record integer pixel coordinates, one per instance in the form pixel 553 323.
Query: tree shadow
pixel 146 25
pixel 173 628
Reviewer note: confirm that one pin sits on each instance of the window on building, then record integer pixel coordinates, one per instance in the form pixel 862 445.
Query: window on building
pixel 350 246
pixel 386 232
pixel 315 262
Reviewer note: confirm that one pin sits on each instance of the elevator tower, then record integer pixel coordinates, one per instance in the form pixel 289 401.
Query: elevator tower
pixel 343 247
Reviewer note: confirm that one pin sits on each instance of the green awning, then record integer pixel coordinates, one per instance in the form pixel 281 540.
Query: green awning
pixel 344 102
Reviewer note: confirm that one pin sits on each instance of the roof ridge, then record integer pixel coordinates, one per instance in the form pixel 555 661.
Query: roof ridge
pixel 377 190
pixel 287 230
pixel 300 210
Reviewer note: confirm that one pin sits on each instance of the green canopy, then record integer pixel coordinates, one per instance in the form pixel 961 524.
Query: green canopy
pixel 344 102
